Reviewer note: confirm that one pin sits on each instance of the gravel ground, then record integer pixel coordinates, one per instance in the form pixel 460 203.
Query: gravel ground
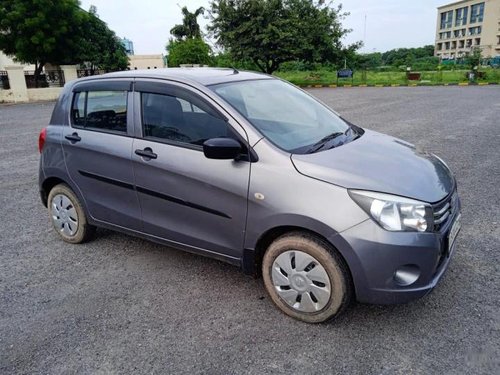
pixel 124 305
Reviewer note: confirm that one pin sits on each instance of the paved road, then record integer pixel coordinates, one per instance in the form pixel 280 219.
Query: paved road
pixel 121 305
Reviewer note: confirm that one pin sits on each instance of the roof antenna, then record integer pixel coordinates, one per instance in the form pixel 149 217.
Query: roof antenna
pixel 235 71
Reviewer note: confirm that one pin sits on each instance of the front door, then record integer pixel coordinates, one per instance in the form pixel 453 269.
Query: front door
pixel 185 197
pixel 97 150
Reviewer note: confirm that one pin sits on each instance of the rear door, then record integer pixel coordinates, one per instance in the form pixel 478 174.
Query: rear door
pixel 185 197
pixel 97 150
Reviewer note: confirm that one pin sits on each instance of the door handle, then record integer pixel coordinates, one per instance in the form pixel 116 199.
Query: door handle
pixel 147 153
pixel 73 138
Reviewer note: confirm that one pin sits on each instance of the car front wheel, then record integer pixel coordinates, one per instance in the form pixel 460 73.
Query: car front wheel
pixel 306 278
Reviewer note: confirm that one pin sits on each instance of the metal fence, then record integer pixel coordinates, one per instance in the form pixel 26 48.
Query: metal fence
pixel 49 78
pixel 89 72
pixel 4 80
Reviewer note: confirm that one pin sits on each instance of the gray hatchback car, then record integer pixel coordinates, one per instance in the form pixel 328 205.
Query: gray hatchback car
pixel 249 169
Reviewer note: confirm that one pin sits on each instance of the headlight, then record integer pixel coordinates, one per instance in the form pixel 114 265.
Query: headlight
pixel 395 213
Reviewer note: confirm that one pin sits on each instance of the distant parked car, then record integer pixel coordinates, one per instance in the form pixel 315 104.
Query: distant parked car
pixel 253 171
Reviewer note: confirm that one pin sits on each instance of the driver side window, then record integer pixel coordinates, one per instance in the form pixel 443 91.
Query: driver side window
pixel 175 119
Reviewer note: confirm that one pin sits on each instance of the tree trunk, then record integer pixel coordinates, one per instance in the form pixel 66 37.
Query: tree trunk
pixel 274 66
pixel 259 65
pixel 38 70
pixel 267 67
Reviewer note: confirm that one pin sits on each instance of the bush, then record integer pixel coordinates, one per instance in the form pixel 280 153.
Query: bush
pixel 425 64
pixel 384 68
pixel 302 66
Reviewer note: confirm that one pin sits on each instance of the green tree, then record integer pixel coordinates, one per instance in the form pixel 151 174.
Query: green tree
pixel 189 51
pixel 368 60
pixel 271 32
pixel 225 60
pixel 100 48
pixel 402 56
pixel 189 28
pixel 188 46
pixel 41 31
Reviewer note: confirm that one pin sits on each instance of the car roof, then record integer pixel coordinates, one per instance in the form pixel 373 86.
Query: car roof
pixel 203 76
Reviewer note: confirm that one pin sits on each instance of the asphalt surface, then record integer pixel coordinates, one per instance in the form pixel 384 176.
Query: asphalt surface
pixel 123 305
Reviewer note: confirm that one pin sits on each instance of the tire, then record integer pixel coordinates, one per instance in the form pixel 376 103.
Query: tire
pixel 68 216
pixel 302 264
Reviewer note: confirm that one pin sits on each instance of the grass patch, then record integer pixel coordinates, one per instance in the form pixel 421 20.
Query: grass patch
pixel 324 77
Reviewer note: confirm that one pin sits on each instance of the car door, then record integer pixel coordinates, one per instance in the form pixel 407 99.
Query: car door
pixel 186 197
pixel 97 151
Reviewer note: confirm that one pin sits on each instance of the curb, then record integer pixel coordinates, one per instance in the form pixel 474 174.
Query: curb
pixel 333 86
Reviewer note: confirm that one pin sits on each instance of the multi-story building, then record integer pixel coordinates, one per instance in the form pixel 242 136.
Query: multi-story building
pixel 467 24
pixel 129 46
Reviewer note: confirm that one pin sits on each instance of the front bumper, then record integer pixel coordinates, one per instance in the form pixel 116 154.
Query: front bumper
pixel 374 255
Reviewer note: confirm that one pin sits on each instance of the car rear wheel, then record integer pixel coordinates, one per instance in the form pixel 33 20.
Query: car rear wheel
pixel 306 278
pixel 67 215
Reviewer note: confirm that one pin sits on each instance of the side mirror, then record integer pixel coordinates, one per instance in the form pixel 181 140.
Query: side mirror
pixel 221 148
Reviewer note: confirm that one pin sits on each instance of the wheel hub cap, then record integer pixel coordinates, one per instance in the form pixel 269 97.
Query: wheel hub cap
pixel 64 215
pixel 301 281
pixel 298 282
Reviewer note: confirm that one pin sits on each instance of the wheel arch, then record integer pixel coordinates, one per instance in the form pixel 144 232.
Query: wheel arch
pixel 55 178
pixel 47 186
pixel 252 258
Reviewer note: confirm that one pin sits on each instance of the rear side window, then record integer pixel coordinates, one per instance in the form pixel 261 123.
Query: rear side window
pixel 100 110
pixel 78 111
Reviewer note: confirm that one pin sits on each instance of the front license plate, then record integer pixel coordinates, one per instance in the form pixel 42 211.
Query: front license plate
pixel 455 228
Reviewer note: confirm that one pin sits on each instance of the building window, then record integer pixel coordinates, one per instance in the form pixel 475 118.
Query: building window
pixel 453 45
pixel 461 16
pixel 477 41
pixel 475 30
pixel 446 19
pixel 447 45
pixel 461 44
pixel 469 42
pixel 445 35
pixel 439 46
pixel 477 13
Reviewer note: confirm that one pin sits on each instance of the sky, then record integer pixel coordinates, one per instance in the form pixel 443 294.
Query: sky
pixel 389 23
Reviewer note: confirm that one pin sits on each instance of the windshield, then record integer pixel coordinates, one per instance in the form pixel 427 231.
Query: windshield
pixel 285 115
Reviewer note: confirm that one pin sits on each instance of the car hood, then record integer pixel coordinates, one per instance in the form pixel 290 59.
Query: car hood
pixel 381 163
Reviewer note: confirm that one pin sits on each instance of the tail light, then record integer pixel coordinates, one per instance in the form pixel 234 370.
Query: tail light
pixel 41 139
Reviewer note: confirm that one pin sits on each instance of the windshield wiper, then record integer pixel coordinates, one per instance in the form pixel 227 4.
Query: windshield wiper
pixel 323 142
pixel 354 134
